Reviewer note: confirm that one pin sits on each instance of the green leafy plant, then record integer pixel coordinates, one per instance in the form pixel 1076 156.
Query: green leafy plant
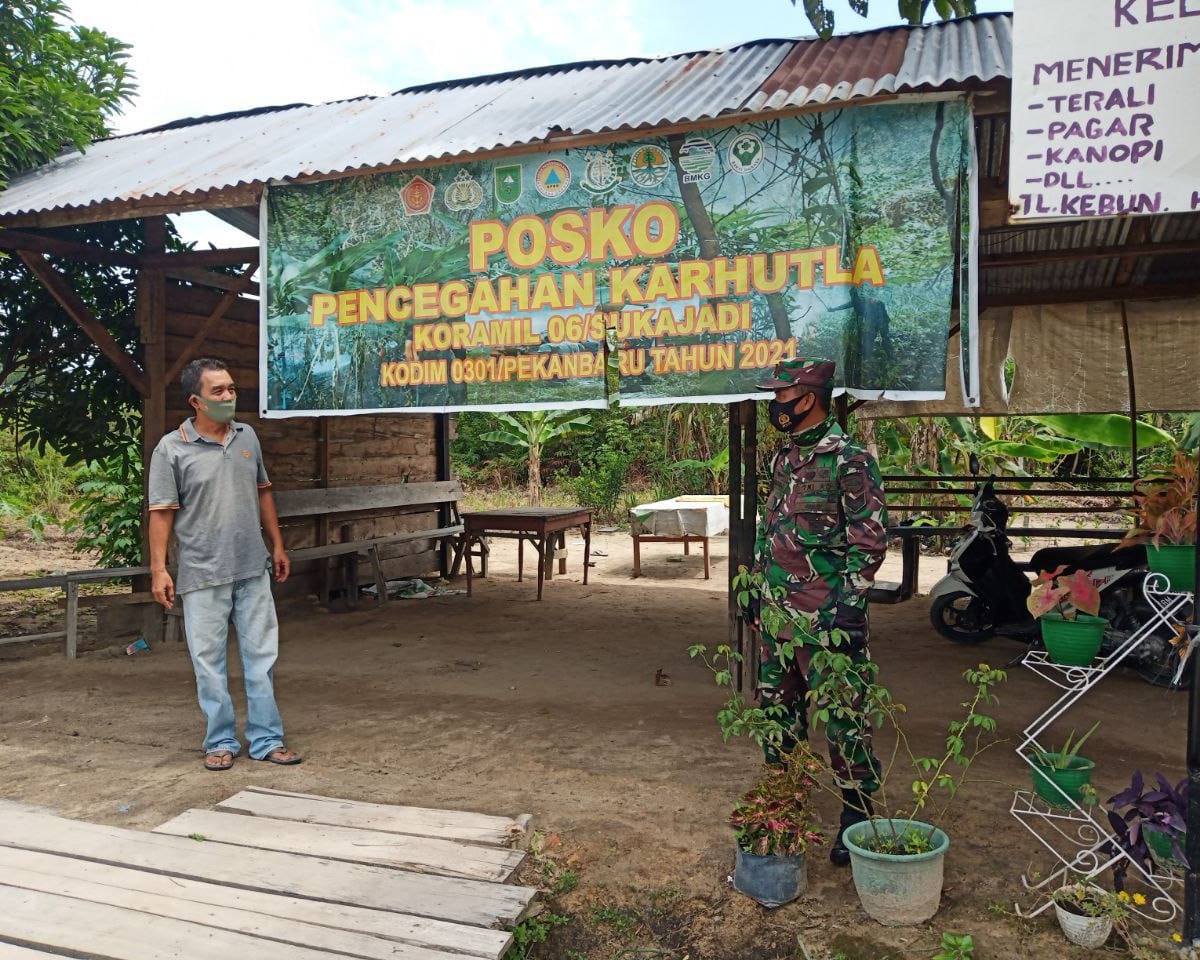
pixel 623 922
pixel 849 691
pixel 1165 505
pixel 531 931
pixel 776 817
pixel 1062 758
pixel 1088 900
pixel 59 85
pixel 532 431
pixel 956 946
pixel 717 467
pixel 1064 594
pixel 108 511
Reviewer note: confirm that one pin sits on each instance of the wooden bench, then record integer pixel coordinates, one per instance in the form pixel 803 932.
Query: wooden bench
pixel 343 501
pixel 69 583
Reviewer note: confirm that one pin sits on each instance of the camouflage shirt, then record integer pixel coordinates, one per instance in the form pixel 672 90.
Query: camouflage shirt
pixel 823 534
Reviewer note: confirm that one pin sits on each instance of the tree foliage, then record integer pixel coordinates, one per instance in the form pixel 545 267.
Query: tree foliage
pixel 59 85
pixel 56 387
pixel 823 18
pixel 532 431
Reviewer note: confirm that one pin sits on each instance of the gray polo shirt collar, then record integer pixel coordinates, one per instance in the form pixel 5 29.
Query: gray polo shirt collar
pixel 188 431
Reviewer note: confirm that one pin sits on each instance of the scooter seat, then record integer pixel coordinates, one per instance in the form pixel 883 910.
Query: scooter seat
pixel 1088 558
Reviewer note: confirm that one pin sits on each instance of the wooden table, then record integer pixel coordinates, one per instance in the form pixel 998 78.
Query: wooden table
pixel 544 528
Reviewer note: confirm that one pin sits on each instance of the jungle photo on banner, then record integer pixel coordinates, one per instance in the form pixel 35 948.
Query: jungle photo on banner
pixel 659 270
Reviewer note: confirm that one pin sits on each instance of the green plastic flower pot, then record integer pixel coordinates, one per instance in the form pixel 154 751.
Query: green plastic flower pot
pixel 1073 643
pixel 896 889
pixel 1177 561
pixel 1070 780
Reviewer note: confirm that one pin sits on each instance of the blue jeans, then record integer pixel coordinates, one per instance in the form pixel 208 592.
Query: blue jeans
pixel 207 614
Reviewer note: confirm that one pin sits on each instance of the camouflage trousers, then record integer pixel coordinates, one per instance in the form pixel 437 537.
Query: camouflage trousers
pixel 785 681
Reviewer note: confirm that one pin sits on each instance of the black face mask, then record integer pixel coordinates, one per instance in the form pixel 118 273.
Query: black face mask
pixel 784 416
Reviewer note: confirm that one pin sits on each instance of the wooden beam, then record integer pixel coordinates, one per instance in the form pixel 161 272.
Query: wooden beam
pixel 1034 298
pixel 213 319
pixel 69 300
pixel 239 196
pixel 232 257
pixel 55 246
pixel 222 281
pixel 1094 253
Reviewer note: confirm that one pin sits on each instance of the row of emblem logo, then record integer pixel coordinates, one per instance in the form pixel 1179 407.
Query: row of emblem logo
pixel 647 167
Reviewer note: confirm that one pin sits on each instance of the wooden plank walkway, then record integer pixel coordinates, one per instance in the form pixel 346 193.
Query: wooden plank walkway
pixel 290 876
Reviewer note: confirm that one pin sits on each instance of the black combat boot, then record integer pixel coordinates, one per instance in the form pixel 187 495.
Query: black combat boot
pixel 856 807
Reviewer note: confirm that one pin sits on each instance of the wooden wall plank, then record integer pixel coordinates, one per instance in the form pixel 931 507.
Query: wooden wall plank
pixel 304 503
pixel 418 821
pixel 462 901
pixel 131 884
pixel 227 331
pixel 447 858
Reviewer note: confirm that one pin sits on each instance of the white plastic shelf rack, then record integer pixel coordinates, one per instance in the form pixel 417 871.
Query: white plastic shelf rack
pixel 1082 846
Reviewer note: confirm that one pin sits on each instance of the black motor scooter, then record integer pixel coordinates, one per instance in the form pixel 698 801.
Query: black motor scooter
pixel 985 590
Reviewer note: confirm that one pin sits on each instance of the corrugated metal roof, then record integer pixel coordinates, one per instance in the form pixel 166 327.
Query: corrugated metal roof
pixel 889 61
pixel 473 116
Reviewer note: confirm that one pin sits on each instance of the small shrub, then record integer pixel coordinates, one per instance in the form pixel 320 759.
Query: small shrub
pixel 108 511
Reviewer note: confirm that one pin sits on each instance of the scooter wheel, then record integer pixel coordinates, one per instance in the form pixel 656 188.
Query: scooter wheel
pixel 962 617
pixel 1162 674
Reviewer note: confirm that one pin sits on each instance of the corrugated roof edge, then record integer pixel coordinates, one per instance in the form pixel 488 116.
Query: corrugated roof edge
pixel 556 68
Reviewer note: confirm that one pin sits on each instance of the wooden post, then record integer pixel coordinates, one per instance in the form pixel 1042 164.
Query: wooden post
pixel 749 421
pixel 151 311
pixel 72 589
pixel 736 629
pixel 441 438
pixel 1133 411
pixel 743 517
pixel 323 426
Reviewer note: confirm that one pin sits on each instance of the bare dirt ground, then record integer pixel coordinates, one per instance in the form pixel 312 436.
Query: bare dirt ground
pixel 499 703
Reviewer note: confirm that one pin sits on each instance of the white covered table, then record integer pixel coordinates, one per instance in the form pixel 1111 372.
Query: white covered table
pixel 686 520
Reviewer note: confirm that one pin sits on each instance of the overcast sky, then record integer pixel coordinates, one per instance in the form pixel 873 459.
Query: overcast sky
pixel 196 59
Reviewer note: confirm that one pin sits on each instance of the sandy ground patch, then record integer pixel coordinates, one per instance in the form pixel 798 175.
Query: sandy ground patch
pixel 499 703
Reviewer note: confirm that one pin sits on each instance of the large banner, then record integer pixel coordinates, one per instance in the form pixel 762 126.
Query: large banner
pixel 665 269
pixel 1104 108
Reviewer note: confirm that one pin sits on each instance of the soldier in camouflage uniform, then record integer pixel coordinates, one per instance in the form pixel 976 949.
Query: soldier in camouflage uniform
pixel 822 537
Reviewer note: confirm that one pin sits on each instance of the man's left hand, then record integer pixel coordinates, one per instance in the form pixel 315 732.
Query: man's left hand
pixel 283 566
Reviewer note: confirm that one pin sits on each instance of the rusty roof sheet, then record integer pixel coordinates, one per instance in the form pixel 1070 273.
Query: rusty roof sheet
pixel 194 158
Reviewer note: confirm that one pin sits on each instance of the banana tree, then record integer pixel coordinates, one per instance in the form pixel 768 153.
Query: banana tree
pixel 717 467
pixel 533 431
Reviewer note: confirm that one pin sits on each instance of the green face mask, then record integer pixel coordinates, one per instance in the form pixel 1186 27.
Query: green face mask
pixel 218 411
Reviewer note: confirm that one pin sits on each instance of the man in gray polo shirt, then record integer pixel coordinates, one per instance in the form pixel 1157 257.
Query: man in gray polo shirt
pixel 208 483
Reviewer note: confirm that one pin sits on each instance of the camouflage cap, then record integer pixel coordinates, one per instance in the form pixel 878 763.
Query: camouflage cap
pixel 808 371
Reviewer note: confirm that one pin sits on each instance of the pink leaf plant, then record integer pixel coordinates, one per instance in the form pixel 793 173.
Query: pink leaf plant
pixel 1067 594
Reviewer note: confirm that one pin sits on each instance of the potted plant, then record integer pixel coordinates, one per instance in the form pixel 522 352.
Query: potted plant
pixel 897 856
pixel 1067 606
pixel 774 824
pixel 1165 505
pixel 1087 913
pixel 1151 824
pixel 1061 777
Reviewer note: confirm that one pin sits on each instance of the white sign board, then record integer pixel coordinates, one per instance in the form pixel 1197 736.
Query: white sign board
pixel 1105 111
